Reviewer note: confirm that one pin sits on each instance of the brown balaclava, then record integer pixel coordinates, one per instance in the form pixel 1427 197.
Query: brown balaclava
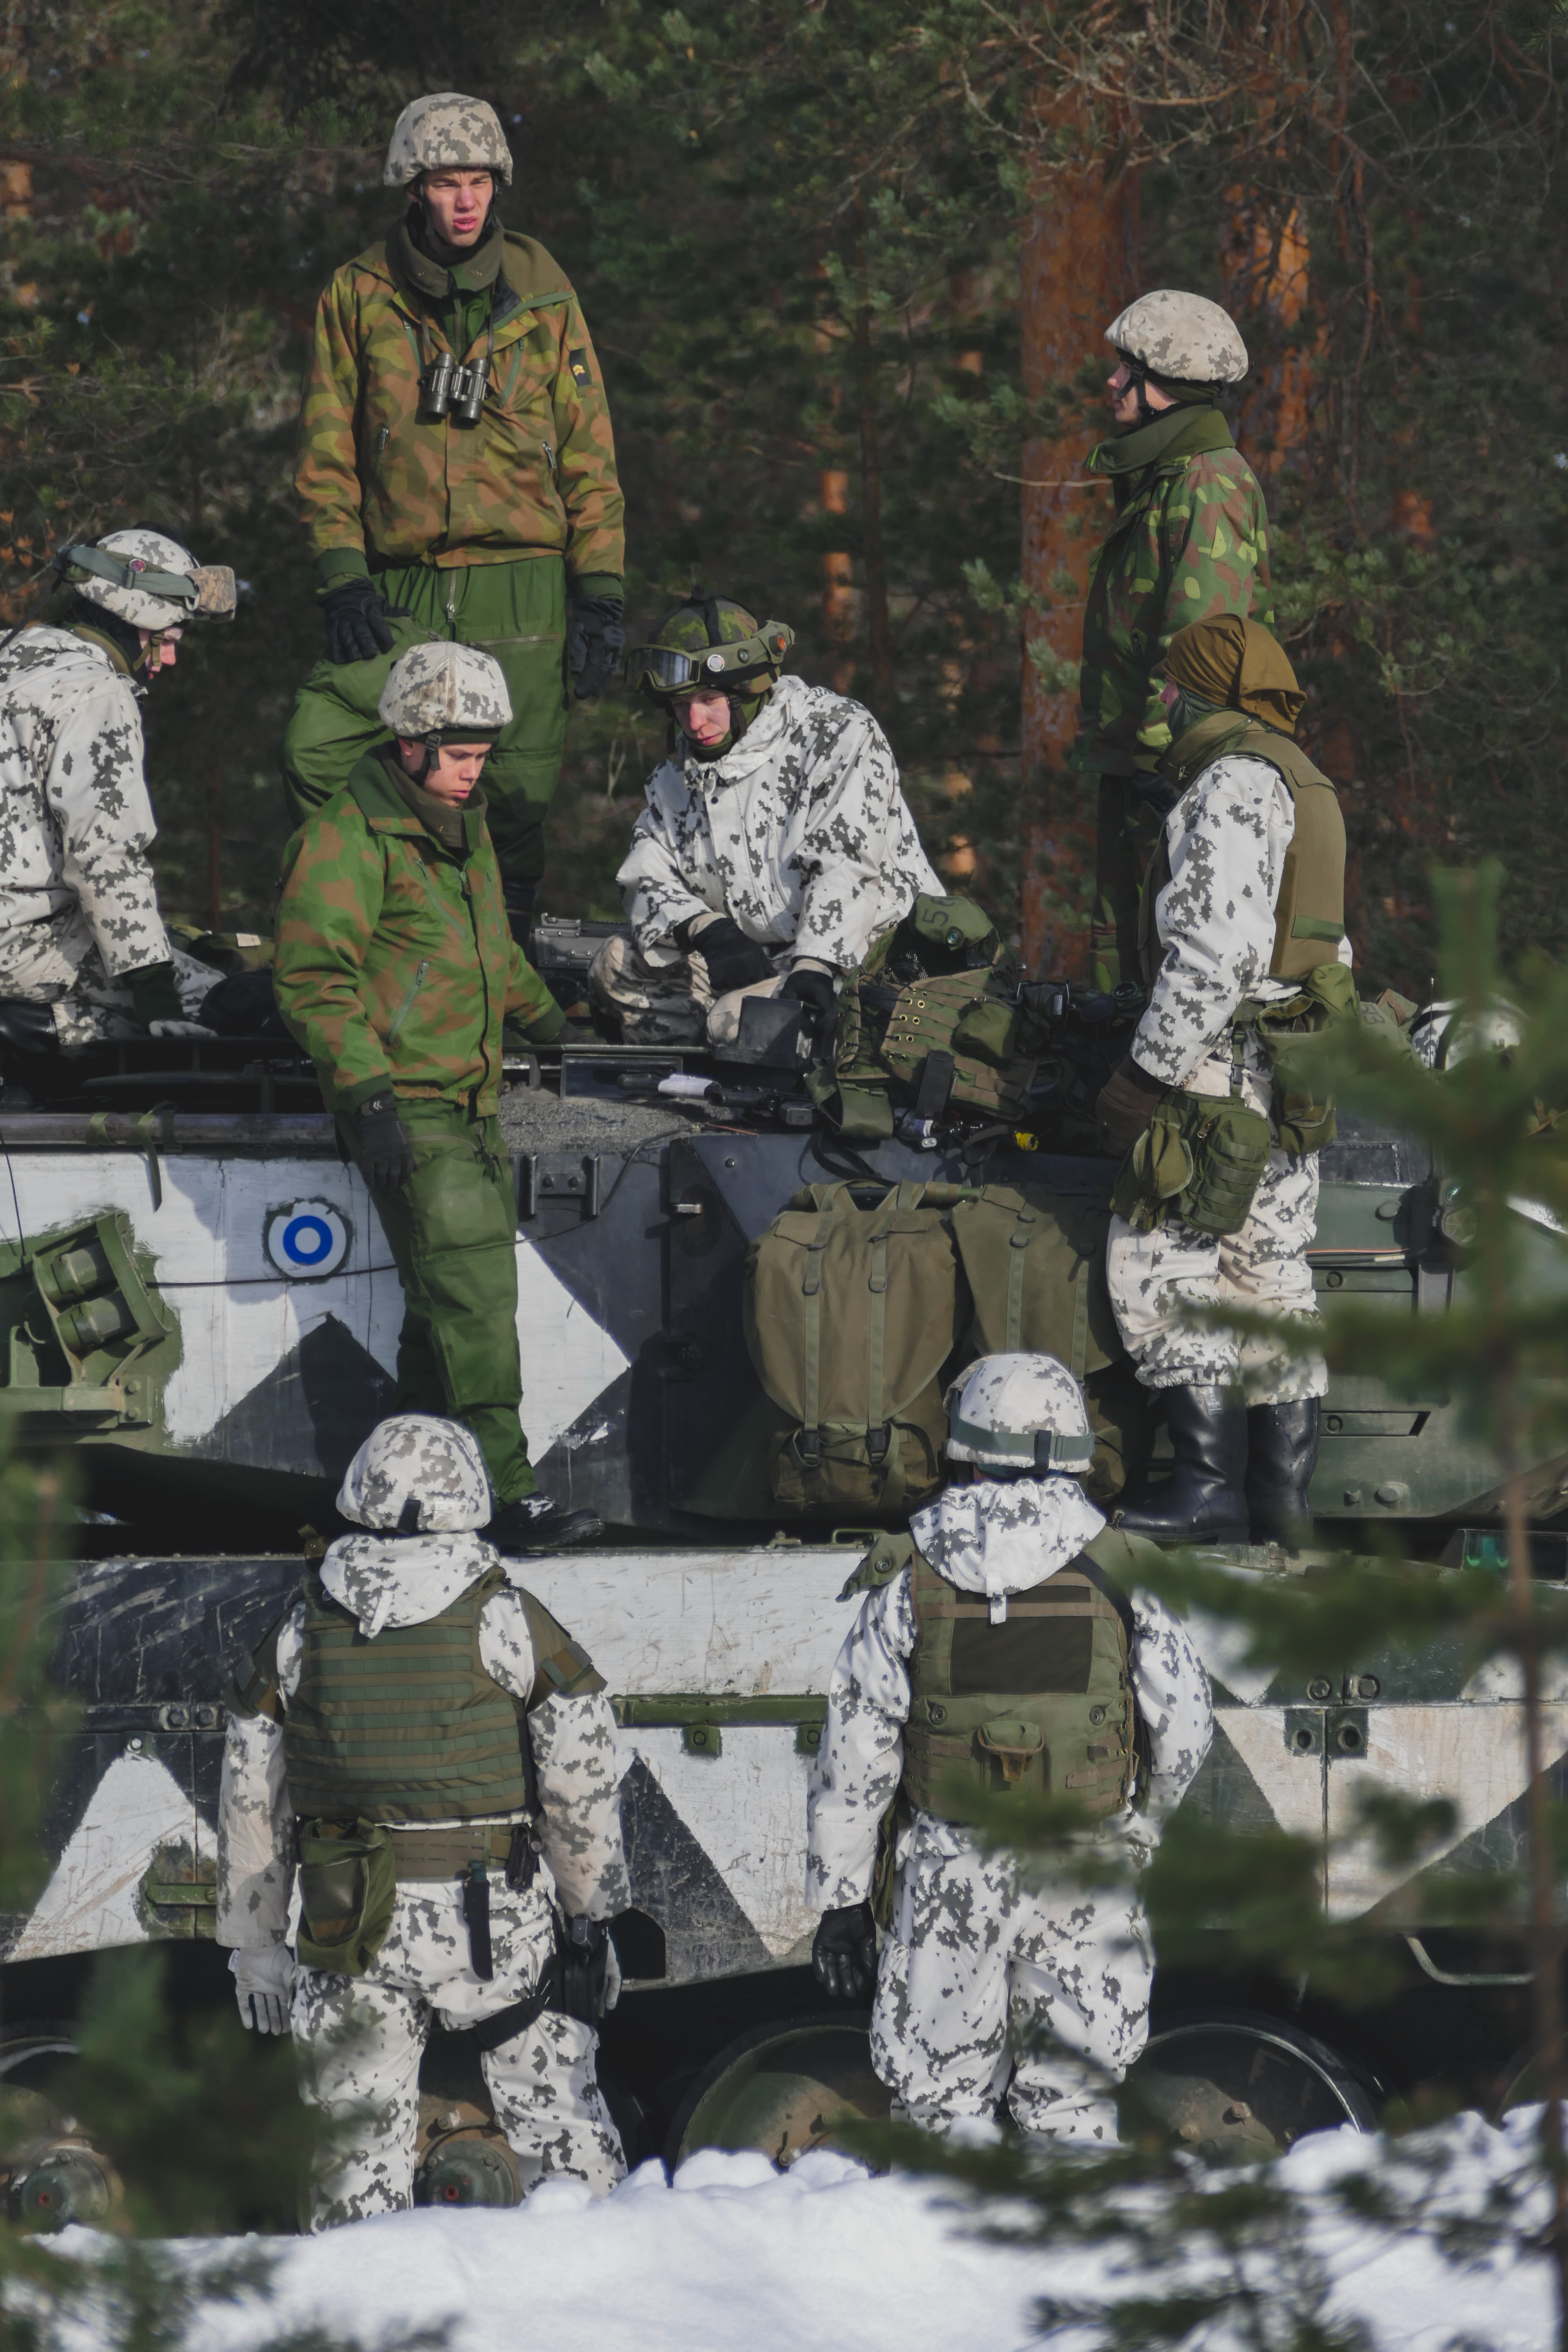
pixel 1237 665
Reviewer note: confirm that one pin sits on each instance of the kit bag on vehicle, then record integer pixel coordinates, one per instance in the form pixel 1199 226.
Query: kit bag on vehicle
pixel 854 1304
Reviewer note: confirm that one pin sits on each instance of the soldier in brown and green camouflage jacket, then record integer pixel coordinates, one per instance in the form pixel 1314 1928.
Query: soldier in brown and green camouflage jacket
pixel 1189 541
pixel 395 970
pixel 498 522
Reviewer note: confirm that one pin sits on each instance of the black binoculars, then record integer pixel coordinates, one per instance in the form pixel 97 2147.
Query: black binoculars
pixel 446 389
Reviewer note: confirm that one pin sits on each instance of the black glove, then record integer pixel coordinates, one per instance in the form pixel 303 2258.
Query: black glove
pixel 385 1146
pixel 595 644
pixel 1125 1105
pixel 355 614
pixel 844 1953
pixel 153 995
pixel 732 959
pixel 814 993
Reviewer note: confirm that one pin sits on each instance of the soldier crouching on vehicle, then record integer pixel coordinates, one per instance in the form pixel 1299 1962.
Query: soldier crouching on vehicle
pixel 84 955
pixel 775 848
pixel 1243 940
pixel 430 1753
pixel 394 969
pixel 1008 1647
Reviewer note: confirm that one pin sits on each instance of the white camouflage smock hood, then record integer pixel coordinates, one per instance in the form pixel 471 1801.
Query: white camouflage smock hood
pixel 419 1482
pixel 1000 1536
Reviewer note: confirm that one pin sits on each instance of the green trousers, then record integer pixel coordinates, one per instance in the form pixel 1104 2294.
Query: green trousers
pixel 1125 831
pixel 517 611
pixel 452 1232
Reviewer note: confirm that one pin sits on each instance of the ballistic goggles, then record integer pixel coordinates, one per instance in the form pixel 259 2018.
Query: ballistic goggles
pixel 1038 1449
pixel 207 592
pixel 664 670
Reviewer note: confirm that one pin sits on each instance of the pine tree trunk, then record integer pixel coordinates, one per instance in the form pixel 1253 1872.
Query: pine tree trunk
pixel 1076 266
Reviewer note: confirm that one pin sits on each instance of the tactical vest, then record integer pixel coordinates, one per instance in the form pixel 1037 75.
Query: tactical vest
pixel 403 1724
pixel 1041 1705
pixel 1309 917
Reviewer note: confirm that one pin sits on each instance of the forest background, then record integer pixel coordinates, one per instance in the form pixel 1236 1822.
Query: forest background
pixel 848 267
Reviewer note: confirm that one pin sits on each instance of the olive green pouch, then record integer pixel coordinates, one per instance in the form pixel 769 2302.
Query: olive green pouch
pixel 1201 1159
pixel 1303 1102
pixel 348 1884
pixel 986 1033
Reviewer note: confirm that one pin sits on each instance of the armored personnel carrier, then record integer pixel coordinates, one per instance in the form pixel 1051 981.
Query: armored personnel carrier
pixel 196 1302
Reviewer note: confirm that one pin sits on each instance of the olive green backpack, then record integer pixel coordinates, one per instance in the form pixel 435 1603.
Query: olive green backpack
pixel 851 1313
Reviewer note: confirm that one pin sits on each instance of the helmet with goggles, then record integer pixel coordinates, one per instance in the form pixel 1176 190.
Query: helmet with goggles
pixel 708 645
pixel 1022 1414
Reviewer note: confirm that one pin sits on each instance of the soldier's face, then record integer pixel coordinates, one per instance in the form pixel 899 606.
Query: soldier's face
pixel 162 656
pixel 705 717
pixel 458 204
pixel 1123 391
pixel 454 771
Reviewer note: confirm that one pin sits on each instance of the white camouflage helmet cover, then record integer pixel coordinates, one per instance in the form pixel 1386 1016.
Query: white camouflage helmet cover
pixel 212 596
pixel 1019 1412
pixel 445 689
pixel 417 1474
pixel 1182 336
pixel 445 131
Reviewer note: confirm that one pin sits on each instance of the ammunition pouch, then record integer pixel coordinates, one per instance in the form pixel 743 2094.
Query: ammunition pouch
pixel 1201 1159
pixel 348 1886
pixel 951 1042
pixel 1303 1102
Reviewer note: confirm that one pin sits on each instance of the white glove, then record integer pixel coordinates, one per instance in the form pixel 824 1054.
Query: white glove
pixel 263 1982
pixel 178 1029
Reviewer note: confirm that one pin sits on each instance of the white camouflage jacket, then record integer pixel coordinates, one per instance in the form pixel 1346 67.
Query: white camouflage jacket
pixel 993 1538
pixel 407 1580
pixel 77 823
pixel 1226 836
pixel 799 833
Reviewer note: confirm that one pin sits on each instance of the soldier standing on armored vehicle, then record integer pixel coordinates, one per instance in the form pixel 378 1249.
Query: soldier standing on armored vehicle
pixel 1008 1646
pixel 776 847
pixel 1190 539
pixel 436 1756
pixel 83 951
pixel 455 464
pixel 394 970
pixel 1242 939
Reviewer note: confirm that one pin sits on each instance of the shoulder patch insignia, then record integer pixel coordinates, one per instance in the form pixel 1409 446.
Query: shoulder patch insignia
pixel 578 362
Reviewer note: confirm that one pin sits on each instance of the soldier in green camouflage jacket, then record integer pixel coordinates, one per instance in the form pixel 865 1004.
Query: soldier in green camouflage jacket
pixel 488 511
pixel 394 969
pixel 1189 541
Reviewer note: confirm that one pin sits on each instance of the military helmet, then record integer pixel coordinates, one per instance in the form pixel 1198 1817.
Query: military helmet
pixel 1019 1412
pixel 1180 338
pixel 417 1474
pixel 445 131
pixel 150 580
pixel 443 692
pixel 708 641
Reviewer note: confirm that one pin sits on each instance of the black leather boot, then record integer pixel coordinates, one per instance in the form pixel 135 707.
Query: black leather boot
pixel 1281 1455
pixel 536 1522
pixel 1202 1501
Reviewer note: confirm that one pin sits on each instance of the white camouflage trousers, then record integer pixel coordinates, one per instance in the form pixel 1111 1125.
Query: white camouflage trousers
pixel 360 2039
pixel 58 964
pixel 990 1991
pixel 668 1004
pixel 1261 1268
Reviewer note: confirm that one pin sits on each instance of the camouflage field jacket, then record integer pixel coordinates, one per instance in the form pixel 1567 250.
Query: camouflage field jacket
pixel 1190 539
pixel 395 964
pixel 74 869
pixel 536 476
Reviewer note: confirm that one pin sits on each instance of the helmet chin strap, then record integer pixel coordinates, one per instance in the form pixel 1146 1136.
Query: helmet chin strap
pixel 432 755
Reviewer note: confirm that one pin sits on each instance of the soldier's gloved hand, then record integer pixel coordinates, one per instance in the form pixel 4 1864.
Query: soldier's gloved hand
pixel 385 1146
pixel 732 959
pixel 156 999
pixel 1125 1105
pixel 591 1969
pixel 811 986
pixel 595 644
pixel 355 614
pixel 263 1983
pixel 844 1952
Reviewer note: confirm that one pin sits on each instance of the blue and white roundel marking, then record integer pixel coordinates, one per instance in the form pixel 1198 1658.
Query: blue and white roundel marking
pixel 308 1239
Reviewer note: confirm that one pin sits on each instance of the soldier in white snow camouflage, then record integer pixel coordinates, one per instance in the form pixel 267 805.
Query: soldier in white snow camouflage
pixel 418 1487
pixel 1002 1985
pixel 1244 944
pixel 776 847
pixel 83 951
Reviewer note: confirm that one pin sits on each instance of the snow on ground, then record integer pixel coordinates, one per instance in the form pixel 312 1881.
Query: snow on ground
pixel 735 2254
